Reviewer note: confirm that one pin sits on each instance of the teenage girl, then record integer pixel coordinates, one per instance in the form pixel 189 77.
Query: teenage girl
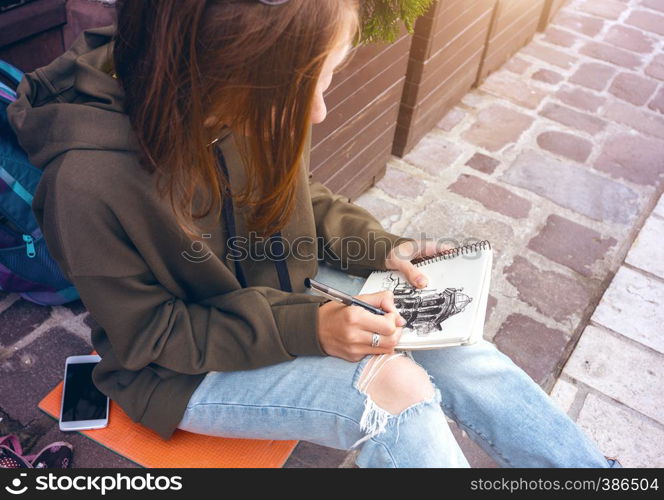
pixel 176 197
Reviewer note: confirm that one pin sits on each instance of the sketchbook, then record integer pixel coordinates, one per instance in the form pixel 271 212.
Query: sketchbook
pixel 451 310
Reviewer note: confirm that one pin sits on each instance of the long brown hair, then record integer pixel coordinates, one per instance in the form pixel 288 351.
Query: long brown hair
pixel 253 67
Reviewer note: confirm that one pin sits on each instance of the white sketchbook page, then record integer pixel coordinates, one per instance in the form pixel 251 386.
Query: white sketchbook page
pixel 462 280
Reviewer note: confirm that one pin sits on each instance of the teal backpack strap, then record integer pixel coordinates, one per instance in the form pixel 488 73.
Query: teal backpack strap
pixel 7 95
pixel 13 73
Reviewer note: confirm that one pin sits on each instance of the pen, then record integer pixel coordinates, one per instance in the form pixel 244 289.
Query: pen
pixel 339 296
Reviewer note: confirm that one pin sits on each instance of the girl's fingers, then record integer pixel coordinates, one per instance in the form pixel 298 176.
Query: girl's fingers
pixel 428 248
pixel 383 325
pixel 384 341
pixel 424 248
pixel 383 300
pixel 413 274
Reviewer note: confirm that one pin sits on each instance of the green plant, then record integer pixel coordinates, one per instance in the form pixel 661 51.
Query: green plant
pixel 380 18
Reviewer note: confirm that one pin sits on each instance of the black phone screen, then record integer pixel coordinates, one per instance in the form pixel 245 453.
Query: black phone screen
pixel 82 399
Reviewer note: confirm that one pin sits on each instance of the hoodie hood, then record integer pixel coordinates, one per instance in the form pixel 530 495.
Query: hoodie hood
pixel 57 103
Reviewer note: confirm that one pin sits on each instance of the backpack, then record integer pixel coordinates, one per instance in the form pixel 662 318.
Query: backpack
pixel 26 267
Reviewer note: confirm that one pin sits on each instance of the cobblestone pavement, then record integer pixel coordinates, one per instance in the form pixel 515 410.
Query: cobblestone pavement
pixel 611 385
pixel 558 160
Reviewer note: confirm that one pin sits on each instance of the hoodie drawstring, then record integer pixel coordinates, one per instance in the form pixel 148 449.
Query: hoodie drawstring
pixel 275 241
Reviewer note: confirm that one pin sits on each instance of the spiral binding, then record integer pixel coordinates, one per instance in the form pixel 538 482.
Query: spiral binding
pixel 454 252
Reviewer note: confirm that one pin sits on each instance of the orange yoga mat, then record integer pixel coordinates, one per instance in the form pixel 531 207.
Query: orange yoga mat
pixel 184 449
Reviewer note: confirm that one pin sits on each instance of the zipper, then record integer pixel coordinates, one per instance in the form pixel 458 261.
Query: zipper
pixel 30 245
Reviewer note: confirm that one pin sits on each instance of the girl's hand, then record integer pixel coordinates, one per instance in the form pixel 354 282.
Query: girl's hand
pixel 400 256
pixel 347 331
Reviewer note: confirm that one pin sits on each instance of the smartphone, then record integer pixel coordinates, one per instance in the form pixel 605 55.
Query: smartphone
pixel 83 405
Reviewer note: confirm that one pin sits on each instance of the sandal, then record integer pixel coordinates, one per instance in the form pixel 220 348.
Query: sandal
pixel 10 453
pixel 57 455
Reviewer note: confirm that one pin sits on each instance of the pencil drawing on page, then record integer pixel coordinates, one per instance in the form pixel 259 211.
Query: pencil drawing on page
pixel 425 309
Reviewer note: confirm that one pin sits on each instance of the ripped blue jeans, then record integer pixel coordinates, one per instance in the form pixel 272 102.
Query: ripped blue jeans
pixel 321 400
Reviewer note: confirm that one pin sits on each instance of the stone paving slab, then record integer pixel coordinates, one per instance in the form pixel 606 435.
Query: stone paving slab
pixel 573 186
pixel 633 306
pixel 622 432
pixel 533 346
pixel 620 368
pixel 659 209
pixel 311 455
pixel 564 394
pixel 647 253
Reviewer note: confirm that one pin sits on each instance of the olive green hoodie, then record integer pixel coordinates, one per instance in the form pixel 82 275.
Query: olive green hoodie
pixel 168 309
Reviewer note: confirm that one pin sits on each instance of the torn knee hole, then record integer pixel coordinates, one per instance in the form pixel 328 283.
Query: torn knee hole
pixel 391 392
pixel 395 382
